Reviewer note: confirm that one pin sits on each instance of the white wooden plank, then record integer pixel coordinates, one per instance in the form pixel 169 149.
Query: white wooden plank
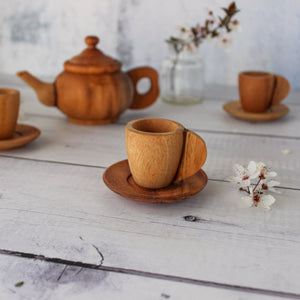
pixel 105 145
pixel 210 116
pixel 64 211
pixel 207 116
pixel 44 280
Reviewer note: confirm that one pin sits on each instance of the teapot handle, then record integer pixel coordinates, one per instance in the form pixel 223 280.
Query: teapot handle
pixel 144 100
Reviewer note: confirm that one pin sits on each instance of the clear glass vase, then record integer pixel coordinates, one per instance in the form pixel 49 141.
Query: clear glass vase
pixel 182 77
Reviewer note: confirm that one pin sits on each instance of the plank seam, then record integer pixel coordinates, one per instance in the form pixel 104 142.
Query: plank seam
pixel 102 167
pixel 248 134
pixel 193 129
pixel 152 275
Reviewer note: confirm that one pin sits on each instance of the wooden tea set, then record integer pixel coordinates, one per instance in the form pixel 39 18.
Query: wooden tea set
pixel 260 97
pixel 92 89
pixel 164 159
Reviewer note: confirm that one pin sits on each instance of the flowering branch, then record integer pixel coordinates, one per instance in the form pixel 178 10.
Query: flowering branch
pixel 257 193
pixel 191 38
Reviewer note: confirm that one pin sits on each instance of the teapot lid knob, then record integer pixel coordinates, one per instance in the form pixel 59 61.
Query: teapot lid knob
pixel 91 60
pixel 91 41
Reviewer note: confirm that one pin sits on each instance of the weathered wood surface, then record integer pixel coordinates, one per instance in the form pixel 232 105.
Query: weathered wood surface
pixel 54 203
pixel 69 220
pixel 103 146
pixel 44 280
pixel 208 116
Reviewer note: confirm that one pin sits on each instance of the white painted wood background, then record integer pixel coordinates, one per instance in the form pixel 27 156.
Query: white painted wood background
pixel 41 35
pixel 67 236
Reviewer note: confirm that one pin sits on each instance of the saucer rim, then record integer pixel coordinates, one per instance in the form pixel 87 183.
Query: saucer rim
pixel 256 117
pixel 18 141
pixel 150 198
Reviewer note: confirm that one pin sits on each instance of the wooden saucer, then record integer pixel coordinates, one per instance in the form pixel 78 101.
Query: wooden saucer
pixel 23 135
pixel 234 108
pixel 118 178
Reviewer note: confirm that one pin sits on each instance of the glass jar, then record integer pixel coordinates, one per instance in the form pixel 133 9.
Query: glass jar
pixel 182 77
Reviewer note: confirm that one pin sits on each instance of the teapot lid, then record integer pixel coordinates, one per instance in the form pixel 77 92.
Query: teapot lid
pixel 92 60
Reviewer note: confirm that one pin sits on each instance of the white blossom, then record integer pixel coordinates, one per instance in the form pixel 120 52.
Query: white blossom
pixel 185 33
pixel 269 185
pixel 244 176
pixel 257 191
pixel 259 200
pixel 264 171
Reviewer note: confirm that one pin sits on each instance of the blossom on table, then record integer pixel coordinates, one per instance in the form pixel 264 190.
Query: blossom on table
pixel 269 185
pixel 259 200
pixel 243 175
pixel 257 191
pixel 264 171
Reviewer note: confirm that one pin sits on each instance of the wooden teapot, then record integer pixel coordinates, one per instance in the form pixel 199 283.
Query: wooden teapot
pixel 92 89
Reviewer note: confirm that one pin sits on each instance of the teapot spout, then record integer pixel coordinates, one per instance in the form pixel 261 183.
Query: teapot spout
pixel 45 91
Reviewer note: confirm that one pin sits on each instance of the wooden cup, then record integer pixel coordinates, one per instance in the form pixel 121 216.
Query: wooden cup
pixel 261 90
pixel 161 152
pixel 9 111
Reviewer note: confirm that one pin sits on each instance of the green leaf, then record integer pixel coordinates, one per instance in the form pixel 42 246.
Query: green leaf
pixel 20 283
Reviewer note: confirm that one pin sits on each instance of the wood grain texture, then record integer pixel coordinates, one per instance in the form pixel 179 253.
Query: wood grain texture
pixel 104 146
pixel 92 90
pixel 193 156
pixel 91 60
pixel 201 116
pixel 44 280
pixel 282 88
pixel 256 90
pixel 23 134
pixel 154 149
pixel 119 179
pixel 97 98
pixel 144 100
pixel 235 109
pixel 60 209
pixel 45 91
pixel 66 221
pixel 9 111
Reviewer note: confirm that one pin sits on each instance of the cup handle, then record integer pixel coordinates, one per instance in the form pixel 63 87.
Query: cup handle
pixel 144 100
pixel 193 156
pixel 281 89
